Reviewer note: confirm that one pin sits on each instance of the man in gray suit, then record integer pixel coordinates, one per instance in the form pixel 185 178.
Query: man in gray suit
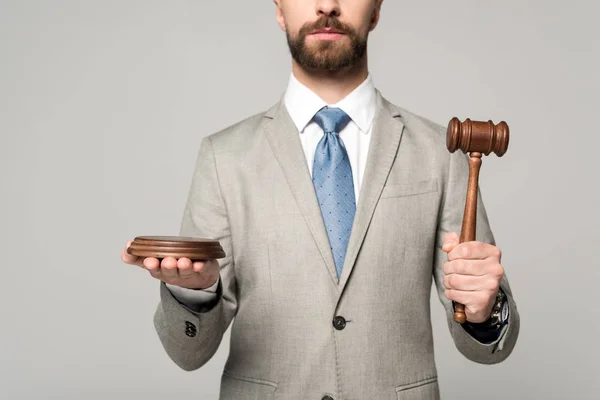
pixel 336 210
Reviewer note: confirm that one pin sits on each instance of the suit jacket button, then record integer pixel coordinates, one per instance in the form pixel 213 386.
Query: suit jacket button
pixel 190 329
pixel 189 325
pixel 190 332
pixel 339 323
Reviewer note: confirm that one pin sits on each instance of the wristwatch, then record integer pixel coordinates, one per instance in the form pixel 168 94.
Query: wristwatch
pixel 499 316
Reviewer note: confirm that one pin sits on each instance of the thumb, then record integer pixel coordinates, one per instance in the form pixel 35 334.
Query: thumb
pixel 451 240
pixel 128 258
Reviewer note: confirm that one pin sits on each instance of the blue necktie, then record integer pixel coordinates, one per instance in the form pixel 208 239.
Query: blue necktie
pixel 332 178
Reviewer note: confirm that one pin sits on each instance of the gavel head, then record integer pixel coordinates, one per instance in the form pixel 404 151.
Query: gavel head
pixel 477 136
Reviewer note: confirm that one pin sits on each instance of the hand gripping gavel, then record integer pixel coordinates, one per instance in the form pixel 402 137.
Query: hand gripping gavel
pixel 477 138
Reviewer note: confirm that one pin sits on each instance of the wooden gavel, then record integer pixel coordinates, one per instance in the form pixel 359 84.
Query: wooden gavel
pixel 477 138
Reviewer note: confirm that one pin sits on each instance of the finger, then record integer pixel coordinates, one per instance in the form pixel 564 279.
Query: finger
pixel 466 267
pixel 184 266
pixel 463 297
pixel 168 268
pixel 451 240
pixel 198 266
pixel 150 262
pixel 474 302
pixel 153 267
pixel 473 251
pixel 468 283
pixel 126 257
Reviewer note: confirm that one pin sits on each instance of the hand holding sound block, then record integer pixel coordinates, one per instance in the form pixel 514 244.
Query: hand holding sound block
pixel 181 261
pixel 177 247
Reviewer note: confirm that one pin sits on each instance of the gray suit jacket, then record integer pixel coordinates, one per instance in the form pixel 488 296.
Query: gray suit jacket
pixel 252 191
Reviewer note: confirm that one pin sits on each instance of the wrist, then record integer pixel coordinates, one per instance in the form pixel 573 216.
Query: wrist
pixel 498 316
pixel 208 283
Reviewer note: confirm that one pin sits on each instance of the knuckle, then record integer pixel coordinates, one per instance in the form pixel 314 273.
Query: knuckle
pixel 473 247
pixel 498 271
pixel 466 250
pixel 498 253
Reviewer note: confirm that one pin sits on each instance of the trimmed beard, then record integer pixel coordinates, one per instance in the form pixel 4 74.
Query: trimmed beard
pixel 328 55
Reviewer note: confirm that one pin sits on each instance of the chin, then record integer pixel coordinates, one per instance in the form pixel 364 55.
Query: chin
pixel 327 47
pixel 314 41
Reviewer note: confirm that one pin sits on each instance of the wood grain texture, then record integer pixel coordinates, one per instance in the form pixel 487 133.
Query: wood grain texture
pixel 160 247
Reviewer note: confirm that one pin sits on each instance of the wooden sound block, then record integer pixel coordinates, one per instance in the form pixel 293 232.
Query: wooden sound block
pixel 176 246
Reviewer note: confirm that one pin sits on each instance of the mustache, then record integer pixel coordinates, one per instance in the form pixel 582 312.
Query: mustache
pixel 326 22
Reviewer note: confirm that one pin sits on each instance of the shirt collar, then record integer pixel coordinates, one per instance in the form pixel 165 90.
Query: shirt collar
pixel 302 104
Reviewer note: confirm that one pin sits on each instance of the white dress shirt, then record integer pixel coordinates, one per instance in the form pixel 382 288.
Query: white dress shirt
pixel 302 104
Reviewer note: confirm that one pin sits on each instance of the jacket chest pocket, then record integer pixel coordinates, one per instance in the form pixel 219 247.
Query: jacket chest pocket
pixel 406 216
pixel 410 188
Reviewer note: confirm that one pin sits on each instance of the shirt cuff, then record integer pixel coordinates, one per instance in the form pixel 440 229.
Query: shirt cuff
pixel 486 334
pixel 194 298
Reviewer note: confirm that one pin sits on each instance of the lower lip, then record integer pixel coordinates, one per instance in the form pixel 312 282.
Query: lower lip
pixel 327 36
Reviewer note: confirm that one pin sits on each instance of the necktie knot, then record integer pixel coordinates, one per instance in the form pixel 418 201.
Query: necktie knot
pixel 331 119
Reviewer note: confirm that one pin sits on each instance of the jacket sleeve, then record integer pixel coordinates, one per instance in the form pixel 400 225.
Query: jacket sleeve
pixel 189 336
pixel 450 220
pixel 194 299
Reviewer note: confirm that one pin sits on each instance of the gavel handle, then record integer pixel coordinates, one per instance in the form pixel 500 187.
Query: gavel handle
pixel 468 232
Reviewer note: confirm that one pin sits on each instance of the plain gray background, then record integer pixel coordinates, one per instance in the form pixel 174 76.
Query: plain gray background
pixel 103 105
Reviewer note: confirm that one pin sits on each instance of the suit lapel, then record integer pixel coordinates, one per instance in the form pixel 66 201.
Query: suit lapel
pixel 386 134
pixel 284 139
pixel 285 142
